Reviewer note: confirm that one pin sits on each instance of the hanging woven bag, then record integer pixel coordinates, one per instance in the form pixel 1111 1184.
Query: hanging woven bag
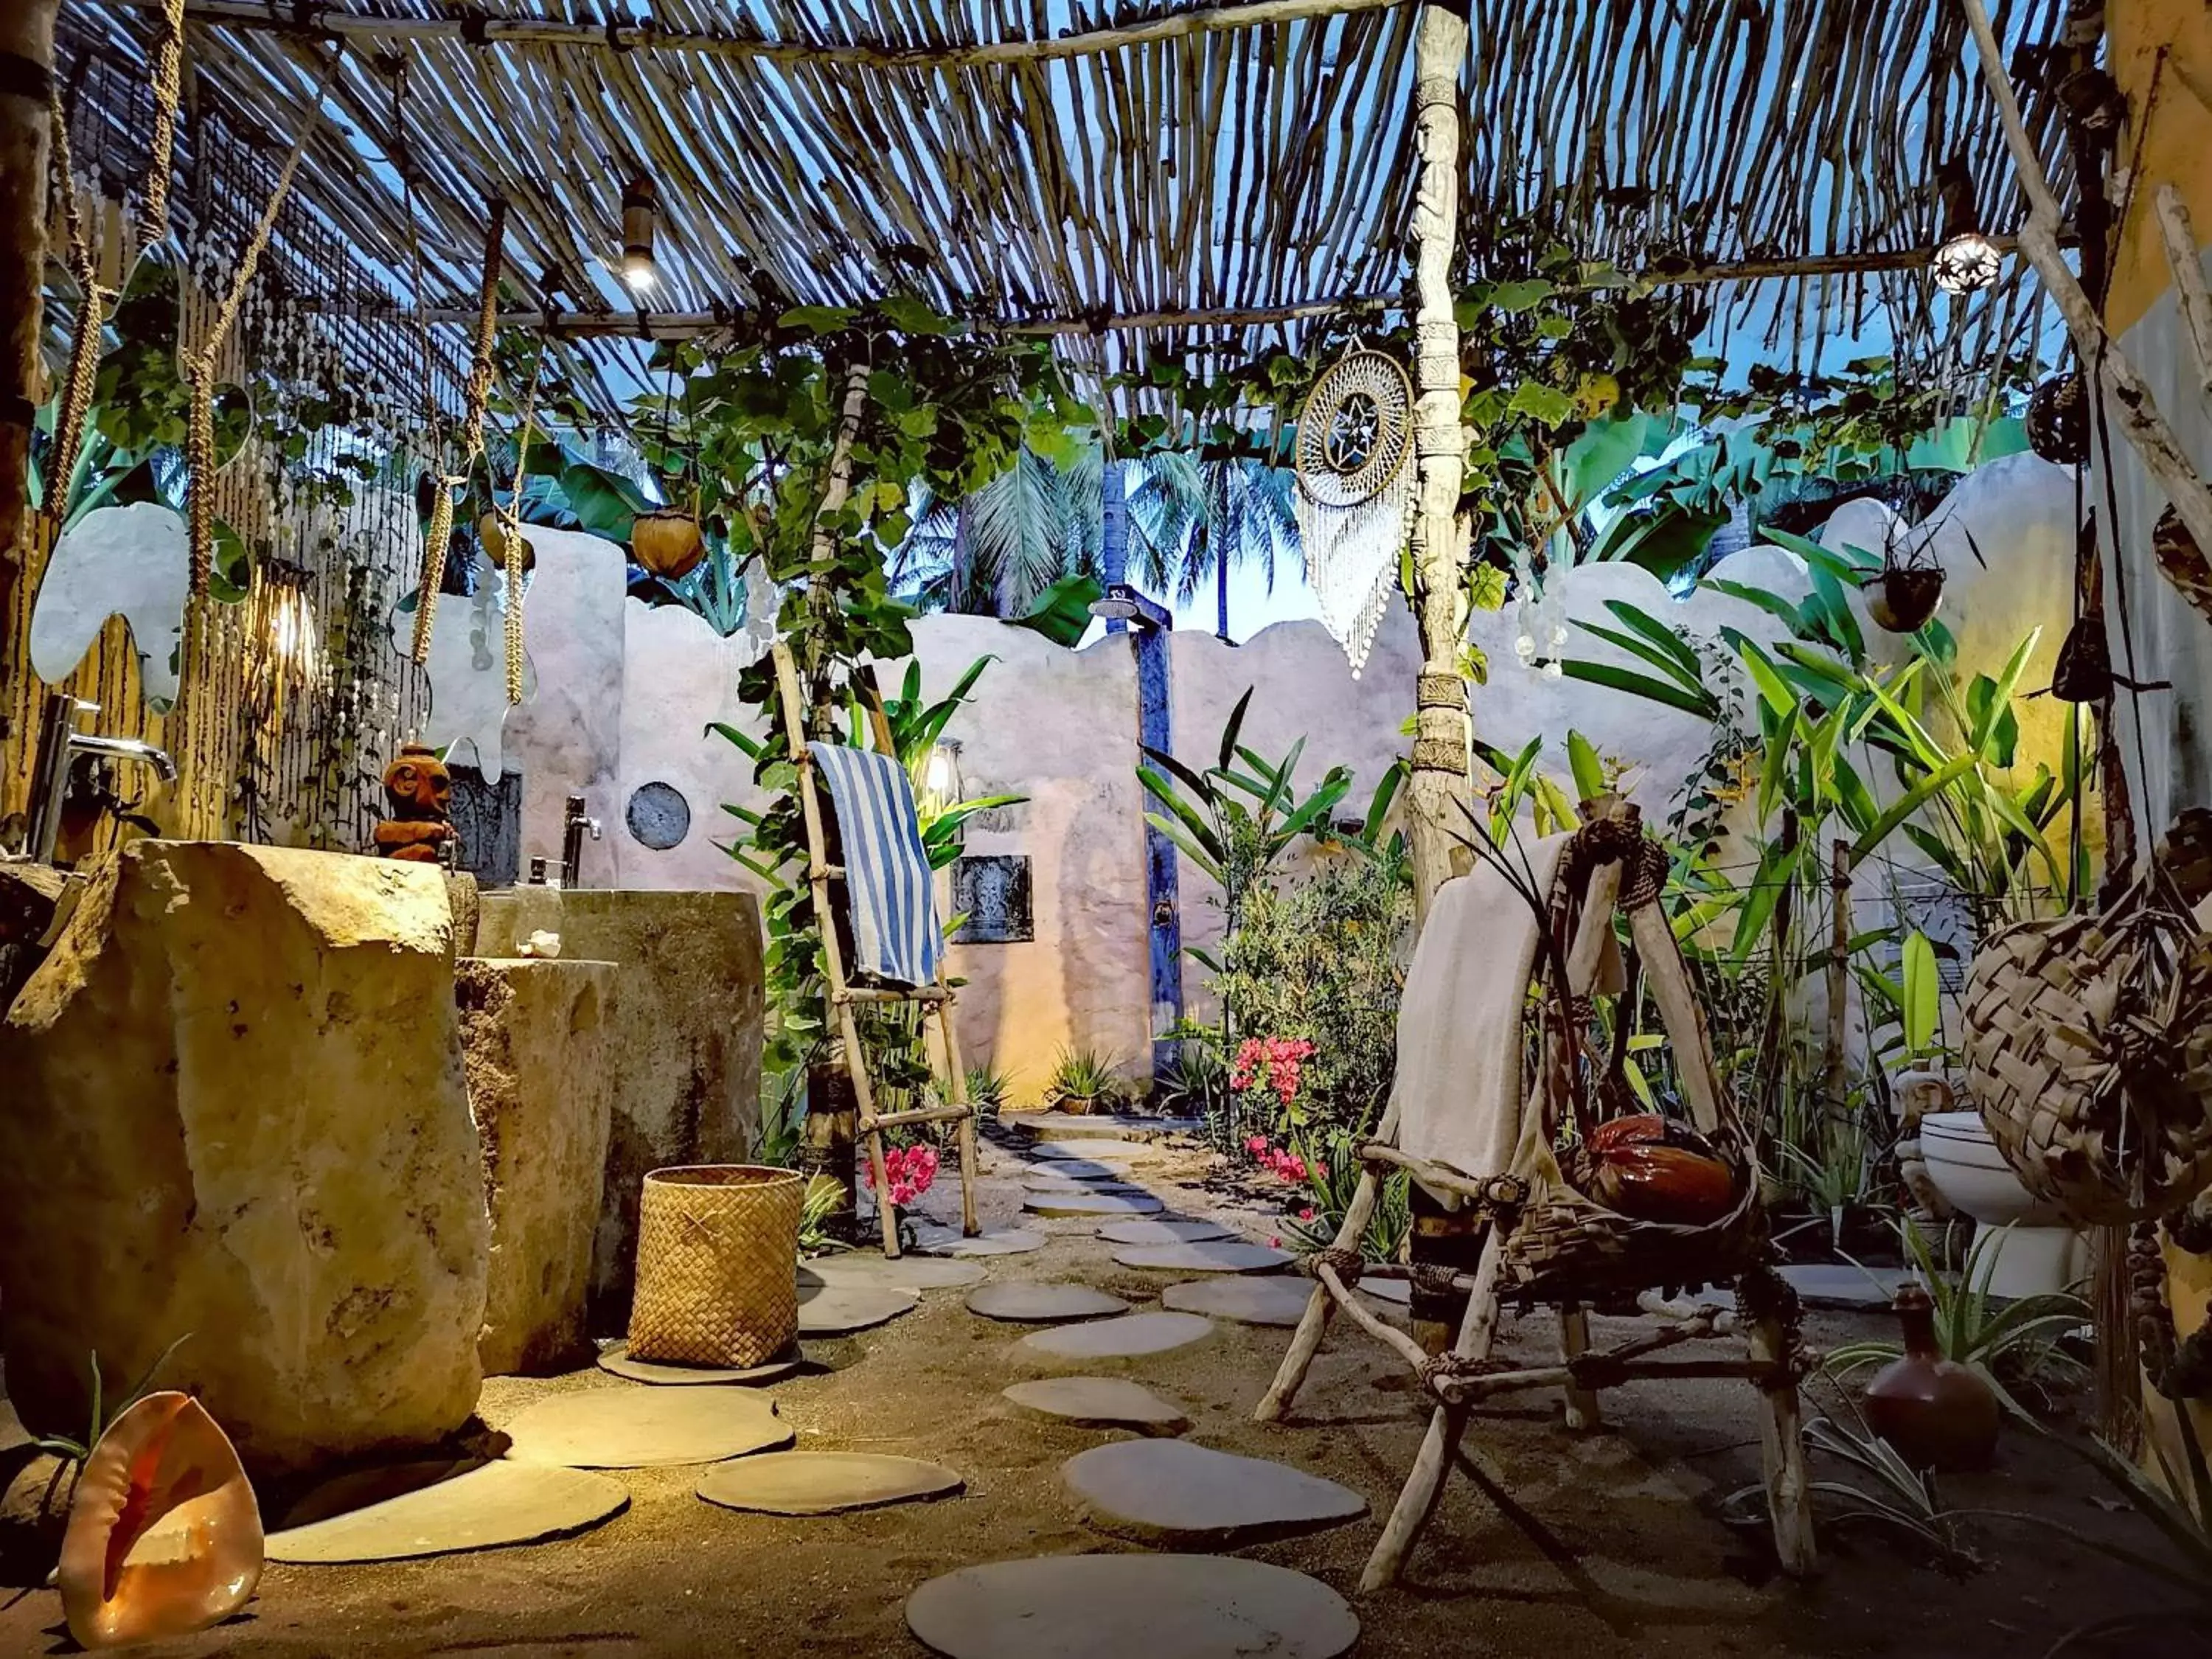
pixel 2089 1053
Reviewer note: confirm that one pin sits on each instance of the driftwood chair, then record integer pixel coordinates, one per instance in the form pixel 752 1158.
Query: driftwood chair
pixel 1544 1241
pixel 844 996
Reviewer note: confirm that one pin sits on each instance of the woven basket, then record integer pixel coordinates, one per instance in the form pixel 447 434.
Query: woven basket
pixel 1568 1246
pixel 717 1266
pixel 2089 1051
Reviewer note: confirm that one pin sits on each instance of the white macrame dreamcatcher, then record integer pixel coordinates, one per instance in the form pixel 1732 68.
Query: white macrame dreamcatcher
pixel 1355 482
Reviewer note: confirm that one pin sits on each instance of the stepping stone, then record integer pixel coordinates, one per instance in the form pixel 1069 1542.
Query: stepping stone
pixel 1161 1232
pixel 996 1240
pixel 616 1359
pixel 1080 1126
pixel 489 1505
pixel 616 1428
pixel 1400 1291
pixel 907 1273
pixel 1109 1607
pixel 824 1482
pixel 1064 1203
pixel 1223 1255
pixel 1171 1489
pixel 828 1308
pixel 1822 1285
pixel 1126 1338
pixel 1077 1169
pixel 1249 1301
pixel 1023 1302
pixel 1107 1150
pixel 1099 1402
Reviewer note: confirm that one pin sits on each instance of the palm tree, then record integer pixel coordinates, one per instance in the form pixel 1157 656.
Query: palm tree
pixel 1199 518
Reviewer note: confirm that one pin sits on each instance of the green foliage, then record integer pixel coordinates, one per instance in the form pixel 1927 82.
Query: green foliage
pixel 989 1090
pixel 1333 1169
pixel 1195 1081
pixel 76 1451
pixel 2010 1344
pixel 1085 1079
pixel 1320 957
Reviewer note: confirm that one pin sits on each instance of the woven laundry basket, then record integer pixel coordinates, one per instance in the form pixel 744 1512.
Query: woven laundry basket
pixel 2089 1053
pixel 717 1266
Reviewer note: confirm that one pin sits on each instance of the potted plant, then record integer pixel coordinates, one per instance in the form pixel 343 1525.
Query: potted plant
pixel 1084 1081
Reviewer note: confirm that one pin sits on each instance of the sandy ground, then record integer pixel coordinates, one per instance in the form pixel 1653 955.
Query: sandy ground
pixel 1545 1543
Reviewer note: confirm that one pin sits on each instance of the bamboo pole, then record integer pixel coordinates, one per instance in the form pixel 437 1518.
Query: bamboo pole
pixel 2188 266
pixel 646 36
pixel 27 58
pixel 692 324
pixel 2125 391
pixel 1442 731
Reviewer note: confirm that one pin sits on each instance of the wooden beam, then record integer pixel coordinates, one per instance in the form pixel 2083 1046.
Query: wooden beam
pixel 337 22
pixel 691 325
pixel 27 63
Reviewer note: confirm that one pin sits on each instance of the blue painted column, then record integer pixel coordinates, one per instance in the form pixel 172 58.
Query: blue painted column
pixel 1150 625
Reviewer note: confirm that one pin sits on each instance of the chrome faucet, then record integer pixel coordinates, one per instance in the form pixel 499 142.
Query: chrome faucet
pixel 59 744
pixel 573 827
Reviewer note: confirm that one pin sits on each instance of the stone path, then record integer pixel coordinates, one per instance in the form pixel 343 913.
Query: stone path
pixel 1273 1301
pixel 479 1509
pixel 625 1427
pixel 824 1482
pixel 1171 1489
pixel 1226 1256
pixel 1099 1402
pixel 1025 1302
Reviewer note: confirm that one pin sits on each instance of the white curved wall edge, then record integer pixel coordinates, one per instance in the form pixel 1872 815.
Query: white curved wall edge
pixel 134 560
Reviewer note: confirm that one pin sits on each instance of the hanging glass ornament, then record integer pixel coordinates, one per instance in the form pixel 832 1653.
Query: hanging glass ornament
pixel 2058 421
pixel 1355 450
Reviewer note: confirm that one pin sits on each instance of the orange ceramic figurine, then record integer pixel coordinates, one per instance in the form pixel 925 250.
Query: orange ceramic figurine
pixel 420 791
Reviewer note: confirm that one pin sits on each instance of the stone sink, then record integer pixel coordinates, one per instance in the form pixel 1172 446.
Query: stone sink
pixel 681 1032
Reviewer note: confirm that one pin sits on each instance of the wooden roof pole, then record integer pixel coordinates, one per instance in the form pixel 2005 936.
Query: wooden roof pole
pixel 27 65
pixel 317 19
pixel 1442 730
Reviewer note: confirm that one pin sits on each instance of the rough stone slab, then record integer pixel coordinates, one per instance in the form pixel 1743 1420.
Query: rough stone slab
pixel 495 1503
pixel 1398 1291
pixel 1102 1403
pixel 1161 1232
pixel 619 1428
pixel 1129 1337
pixel 1102 1151
pixel 828 1308
pixel 235 1107
pixel 1112 1607
pixel 1025 1302
pixel 824 1482
pixel 683 1031
pixel 1821 1284
pixel 1171 1489
pixel 1249 1301
pixel 1107 1204
pixel 617 1361
pixel 540 1088
pixel 1223 1255
pixel 992 1241
pixel 907 1273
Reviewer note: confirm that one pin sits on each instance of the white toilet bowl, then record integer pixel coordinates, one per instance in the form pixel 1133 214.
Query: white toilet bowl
pixel 2036 1252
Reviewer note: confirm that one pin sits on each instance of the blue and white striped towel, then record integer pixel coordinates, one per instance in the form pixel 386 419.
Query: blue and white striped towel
pixel 892 901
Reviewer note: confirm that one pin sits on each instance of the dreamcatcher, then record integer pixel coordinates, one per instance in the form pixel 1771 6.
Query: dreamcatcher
pixel 1355 484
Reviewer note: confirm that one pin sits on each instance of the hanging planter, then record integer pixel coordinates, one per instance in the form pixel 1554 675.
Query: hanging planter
pixel 2058 421
pixel 667 542
pixel 2181 560
pixel 1903 598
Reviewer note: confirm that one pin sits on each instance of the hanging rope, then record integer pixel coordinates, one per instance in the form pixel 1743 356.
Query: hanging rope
pixel 200 366
pixel 475 398
pixel 168 75
pixel 91 322
pixel 517 551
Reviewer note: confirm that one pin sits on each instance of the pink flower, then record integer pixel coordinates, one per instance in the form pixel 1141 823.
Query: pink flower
pixel 1320 1170
pixel 1274 1242
pixel 1255 1145
pixel 1306 1214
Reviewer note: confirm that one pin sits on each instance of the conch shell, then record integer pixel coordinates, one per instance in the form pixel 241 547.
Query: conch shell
pixel 164 1533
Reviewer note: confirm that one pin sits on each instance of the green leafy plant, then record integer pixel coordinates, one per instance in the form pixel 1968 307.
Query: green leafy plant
pixel 1195 1081
pixel 75 1451
pixel 1903 1500
pixel 2010 1344
pixel 989 1089
pixel 816 1208
pixel 1332 1176
pixel 1083 1079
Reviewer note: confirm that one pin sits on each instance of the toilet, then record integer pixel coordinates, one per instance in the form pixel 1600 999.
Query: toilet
pixel 2039 1254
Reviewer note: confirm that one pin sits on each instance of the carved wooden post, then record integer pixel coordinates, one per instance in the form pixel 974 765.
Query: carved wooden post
pixel 27 61
pixel 1442 728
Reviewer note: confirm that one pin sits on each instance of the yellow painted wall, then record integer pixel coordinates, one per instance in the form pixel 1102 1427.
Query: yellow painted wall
pixel 2160 53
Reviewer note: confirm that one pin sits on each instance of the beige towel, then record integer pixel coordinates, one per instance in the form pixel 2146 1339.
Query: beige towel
pixel 1458 1083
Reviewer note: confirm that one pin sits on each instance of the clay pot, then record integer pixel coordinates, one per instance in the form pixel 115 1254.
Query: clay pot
pixel 1936 1414
pixel 1655 1171
pixel 667 542
pixel 1903 600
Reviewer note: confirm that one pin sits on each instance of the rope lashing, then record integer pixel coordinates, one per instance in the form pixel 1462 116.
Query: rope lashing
pixel 476 397
pixel 1347 1264
pixel 1646 877
pixel 1439 1368
pixel 161 147
pixel 91 320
